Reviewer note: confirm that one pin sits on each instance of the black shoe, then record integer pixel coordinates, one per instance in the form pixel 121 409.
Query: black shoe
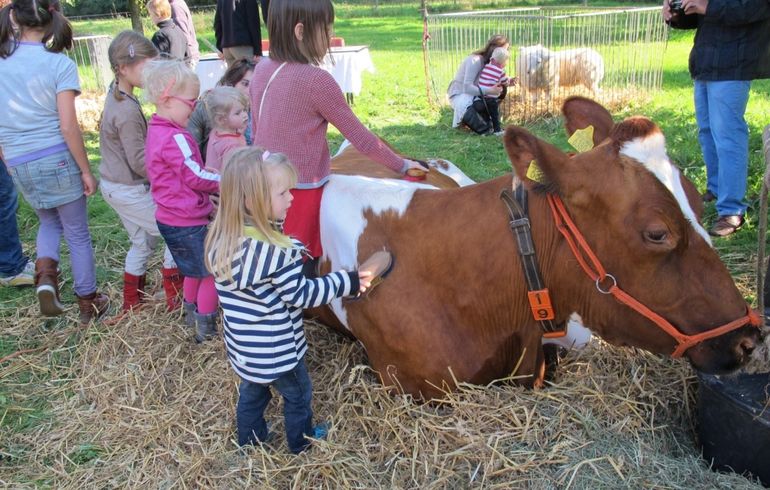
pixel 708 196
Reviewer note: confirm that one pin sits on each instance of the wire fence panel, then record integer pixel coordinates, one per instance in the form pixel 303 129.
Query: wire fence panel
pixel 613 55
pixel 90 55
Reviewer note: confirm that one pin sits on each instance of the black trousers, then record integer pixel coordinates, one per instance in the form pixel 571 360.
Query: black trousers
pixel 491 107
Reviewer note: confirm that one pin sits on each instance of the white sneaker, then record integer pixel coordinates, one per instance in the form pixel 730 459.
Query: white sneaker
pixel 499 133
pixel 24 278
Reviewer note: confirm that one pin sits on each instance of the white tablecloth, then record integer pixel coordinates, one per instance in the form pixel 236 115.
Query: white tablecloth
pixel 349 64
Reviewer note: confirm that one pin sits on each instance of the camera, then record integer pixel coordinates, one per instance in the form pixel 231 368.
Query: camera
pixel 676 7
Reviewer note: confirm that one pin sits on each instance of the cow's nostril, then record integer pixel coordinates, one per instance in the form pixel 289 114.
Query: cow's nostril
pixel 747 346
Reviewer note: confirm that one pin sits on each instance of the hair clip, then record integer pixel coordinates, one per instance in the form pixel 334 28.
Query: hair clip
pixel 131 52
pixel 265 155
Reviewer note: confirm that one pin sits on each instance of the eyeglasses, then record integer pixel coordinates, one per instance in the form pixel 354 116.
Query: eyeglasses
pixel 188 102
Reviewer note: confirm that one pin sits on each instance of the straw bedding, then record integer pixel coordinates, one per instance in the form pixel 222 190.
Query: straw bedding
pixel 138 404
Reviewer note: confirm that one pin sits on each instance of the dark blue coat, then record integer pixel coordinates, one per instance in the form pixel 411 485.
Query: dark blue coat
pixel 732 41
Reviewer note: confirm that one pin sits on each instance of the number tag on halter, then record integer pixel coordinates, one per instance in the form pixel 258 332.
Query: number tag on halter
pixel 540 302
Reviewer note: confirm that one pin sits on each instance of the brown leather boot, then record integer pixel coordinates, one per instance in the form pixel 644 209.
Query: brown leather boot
pixel 47 286
pixel 92 307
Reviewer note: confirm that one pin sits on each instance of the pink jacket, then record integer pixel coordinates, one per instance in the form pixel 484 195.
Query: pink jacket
pixel 220 144
pixel 180 186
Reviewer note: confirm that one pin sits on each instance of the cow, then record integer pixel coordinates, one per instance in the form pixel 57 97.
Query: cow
pixel 540 69
pixel 443 174
pixel 454 307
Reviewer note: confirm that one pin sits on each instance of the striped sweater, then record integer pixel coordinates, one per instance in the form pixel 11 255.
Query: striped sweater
pixel 263 304
pixel 491 76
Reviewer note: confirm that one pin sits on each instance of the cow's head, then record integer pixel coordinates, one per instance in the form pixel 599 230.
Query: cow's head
pixel 640 215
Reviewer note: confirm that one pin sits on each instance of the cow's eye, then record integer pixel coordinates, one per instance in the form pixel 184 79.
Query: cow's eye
pixel 655 236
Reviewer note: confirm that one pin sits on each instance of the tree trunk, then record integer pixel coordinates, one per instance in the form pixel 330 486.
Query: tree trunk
pixel 136 16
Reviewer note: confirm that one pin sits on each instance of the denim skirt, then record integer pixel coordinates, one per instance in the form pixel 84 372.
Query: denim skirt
pixel 50 181
pixel 186 246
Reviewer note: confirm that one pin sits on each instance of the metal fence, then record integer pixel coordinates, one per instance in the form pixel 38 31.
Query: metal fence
pixel 90 54
pixel 614 55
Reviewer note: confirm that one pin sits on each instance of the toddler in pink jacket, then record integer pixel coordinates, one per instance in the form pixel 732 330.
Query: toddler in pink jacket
pixel 181 187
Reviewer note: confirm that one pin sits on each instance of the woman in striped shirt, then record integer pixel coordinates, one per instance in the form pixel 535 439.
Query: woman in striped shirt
pixel 259 280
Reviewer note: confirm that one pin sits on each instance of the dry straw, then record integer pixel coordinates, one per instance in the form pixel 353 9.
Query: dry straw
pixel 137 404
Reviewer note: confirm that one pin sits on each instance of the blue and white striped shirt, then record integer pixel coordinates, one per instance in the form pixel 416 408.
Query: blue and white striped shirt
pixel 263 304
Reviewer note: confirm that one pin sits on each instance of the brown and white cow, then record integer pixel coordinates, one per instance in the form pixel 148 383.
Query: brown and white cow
pixel 454 307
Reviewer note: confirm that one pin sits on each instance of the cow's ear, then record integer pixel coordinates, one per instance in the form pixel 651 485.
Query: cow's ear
pixel 632 128
pixel 580 113
pixel 533 160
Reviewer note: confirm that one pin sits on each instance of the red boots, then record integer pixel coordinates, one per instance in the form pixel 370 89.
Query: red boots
pixel 173 284
pixel 133 290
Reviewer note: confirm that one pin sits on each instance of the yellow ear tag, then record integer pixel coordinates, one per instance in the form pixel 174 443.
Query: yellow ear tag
pixel 582 139
pixel 534 172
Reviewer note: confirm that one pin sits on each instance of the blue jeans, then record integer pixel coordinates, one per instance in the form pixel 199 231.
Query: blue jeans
pixel 724 139
pixel 297 394
pixel 12 260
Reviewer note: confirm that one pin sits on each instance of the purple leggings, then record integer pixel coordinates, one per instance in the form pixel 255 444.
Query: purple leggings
pixel 72 220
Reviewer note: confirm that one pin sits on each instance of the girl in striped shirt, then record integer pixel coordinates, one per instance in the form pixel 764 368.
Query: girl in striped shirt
pixel 262 290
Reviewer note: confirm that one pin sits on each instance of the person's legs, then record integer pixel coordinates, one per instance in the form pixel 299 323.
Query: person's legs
pixel 12 261
pixel 708 148
pixel 48 234
pixel 493 108
pixel 727 105
pixel 74 220
pixel 297 392
pixel 136 210
pixel 250 412
pixel 207 299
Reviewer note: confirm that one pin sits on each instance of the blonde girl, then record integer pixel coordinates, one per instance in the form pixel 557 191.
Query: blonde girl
pixel 258 273
pixel 228 110
pixel 180 186
pixel 294 101
pixel 43 147
pixel 238 75
pixel 125 187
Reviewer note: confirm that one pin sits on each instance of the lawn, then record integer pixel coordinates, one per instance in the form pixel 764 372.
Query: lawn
pixel 136 404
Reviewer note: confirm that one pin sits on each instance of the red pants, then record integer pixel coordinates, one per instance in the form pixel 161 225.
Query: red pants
pixel 303 221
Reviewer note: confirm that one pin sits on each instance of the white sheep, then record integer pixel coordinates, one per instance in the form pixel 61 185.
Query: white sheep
pixel 540 69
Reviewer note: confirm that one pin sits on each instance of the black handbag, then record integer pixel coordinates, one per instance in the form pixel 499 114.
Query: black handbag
pixel 479 122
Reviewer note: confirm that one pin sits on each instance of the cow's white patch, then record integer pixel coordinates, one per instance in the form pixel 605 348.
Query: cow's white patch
pixel 577 336
pixel 345 199
pixel 452 171
pixel 650 151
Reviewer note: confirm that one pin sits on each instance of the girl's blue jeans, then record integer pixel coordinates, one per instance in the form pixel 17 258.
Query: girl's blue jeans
pixel 297 392
pixel 724 139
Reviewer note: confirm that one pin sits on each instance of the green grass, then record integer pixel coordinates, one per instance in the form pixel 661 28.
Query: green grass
pixel 394 105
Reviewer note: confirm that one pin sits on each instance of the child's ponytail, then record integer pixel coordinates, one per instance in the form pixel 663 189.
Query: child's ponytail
pixel 58 30
pixel 8 39
pixel 36 14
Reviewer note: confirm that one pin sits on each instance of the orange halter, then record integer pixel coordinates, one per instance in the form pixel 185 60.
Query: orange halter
pixel 581 250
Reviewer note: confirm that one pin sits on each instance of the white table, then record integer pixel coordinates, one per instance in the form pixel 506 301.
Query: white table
pixel 349 63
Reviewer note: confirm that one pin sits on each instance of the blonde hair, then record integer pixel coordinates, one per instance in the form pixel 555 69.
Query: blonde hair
pixel 128 48
pixel 167 77
pixel 219 101
pixel 161 9
pixel 500 55
pixel 244 191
